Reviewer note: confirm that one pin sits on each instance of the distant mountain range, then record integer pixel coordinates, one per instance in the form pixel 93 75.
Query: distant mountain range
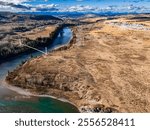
pixel 78 14
pixel 4 16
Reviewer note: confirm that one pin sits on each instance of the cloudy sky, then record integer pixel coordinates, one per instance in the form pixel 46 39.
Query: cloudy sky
pixel 140 6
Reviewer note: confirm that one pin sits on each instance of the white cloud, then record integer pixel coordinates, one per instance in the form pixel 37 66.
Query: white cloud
pixel 14 1
pixel 80 8
pixel 19 5
pixel 46 6
pixel 6 8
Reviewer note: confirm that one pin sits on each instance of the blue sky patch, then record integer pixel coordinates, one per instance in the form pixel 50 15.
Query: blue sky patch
pixel 140 6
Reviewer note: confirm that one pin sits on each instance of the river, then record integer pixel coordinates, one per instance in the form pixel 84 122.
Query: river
pixel 13 102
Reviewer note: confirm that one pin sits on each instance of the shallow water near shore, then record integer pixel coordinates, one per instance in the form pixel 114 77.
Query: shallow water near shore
pixel 11 101
pixel 37 105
